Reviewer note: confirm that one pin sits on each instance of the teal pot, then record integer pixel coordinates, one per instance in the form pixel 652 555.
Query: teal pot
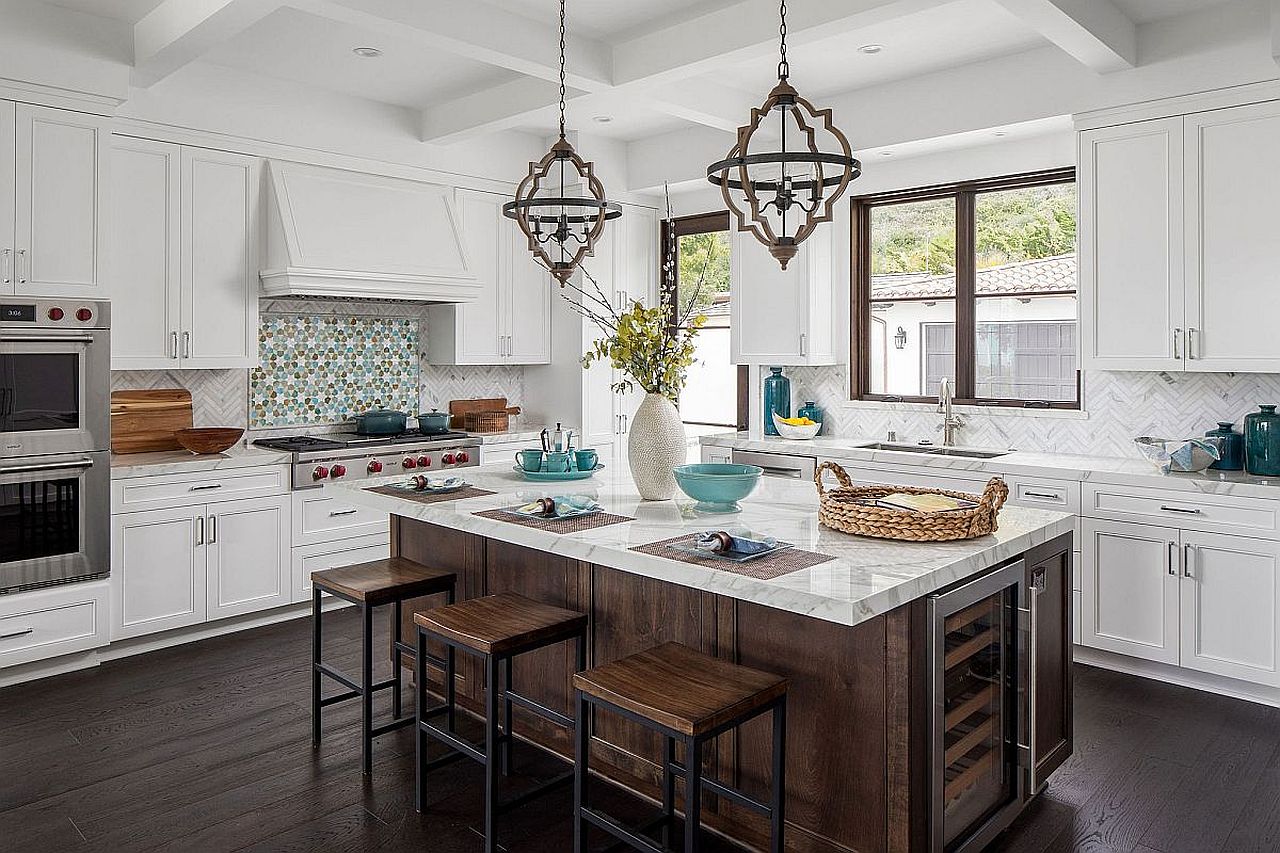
pixel 777 399
pixel 1262 442
pixel 1232 447
pixel 813 412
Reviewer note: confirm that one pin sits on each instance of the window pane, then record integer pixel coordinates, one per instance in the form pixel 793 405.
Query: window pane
pixel 1013 227
pixel 703 274
pixel 912 346
pixel 912 245
pixel 1026 348
pixel 710 394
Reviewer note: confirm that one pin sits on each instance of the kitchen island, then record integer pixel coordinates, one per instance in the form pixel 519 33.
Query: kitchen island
pixel 869 767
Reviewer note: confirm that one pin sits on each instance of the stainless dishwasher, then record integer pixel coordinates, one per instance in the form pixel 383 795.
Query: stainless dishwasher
pixel 778 464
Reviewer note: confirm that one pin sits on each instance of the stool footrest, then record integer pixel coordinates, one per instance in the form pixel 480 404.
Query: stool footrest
pixel 471 750
pixel 408 649
pixel 391 726
pixel 721 789
pixel 648 826
pixel 344 679
pixel 600 820
pixel 338 697
pixel 535 791
pixel 539 709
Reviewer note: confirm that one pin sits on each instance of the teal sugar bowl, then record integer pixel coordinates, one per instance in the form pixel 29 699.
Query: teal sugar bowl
pixel 717 486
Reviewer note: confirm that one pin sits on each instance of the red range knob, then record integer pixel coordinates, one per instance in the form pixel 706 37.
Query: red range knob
pixel 463 458
pixel 375 466
pixel 447 459
pixel 321 472
pixel 338 471
pixel 424 461
pixel 408 463
pixel 56 314
pixel 84 315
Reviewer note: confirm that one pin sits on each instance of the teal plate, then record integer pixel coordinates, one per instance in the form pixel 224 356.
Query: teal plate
pixel 555 476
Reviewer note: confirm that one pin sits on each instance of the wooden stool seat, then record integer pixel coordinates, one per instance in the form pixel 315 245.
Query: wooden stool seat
pixel 502 624
pixel 383 581
pixel 681 689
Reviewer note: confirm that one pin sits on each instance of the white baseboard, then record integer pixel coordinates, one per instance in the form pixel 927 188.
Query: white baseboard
pixel 1177 675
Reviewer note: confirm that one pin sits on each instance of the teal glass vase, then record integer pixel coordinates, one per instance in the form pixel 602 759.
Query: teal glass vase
pixel 777 399
pixel 1232 447
pixel 812 411
pixel 1262 442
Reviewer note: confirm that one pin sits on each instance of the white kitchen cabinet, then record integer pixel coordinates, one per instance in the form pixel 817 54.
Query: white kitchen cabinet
pixel 247 553
pixel 331 555
pixel 510 322
pixel 782 317
pixel 320 517
pixel 8 194
pixel 1230 596
pixel 48 623
pixel 1131 587
pixel 1232 246
pixel 157 571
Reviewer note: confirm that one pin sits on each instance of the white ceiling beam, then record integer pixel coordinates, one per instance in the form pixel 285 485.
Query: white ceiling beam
pixel 179 31
pixel 704 102
pixel 1095 32
pixel 497 108
pixel 1275 30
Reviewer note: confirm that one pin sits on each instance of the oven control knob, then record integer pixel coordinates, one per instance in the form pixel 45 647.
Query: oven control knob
pixel 321 472
pixel 337 471
pixel 375 467
pixel 424 461
pixel 56 314
pixel 463 458
pixel 84 315
pixel 408 463
pixel 447 459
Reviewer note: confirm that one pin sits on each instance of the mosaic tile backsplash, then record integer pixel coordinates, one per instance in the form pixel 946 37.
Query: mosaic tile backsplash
pixel 323 369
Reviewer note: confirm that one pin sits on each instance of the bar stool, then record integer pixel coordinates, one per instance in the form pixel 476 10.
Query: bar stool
pixel 688 696
pixel 369 585
pixel 495 628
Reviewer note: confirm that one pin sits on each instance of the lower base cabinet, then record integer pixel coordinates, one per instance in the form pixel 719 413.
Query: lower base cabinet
pixel 247 557
pixel 47 623
pixel 331 555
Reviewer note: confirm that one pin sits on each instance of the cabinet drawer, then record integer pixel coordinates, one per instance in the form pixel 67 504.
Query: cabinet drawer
pixel 331 555
pixel 1060 495
pixel 162 492
pixel 48 623
pixel 877 475
pixel 320 517
pixel 1213 513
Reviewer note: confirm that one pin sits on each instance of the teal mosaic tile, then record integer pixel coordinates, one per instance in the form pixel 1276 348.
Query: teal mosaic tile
pixel 321 370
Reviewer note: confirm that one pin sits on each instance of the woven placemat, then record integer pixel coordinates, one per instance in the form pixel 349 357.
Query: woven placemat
pixel 556 525
pixel 429 497
pixel 764 568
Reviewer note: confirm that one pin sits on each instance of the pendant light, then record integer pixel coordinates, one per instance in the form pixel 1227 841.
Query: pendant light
pixel 780 196
pixel 560 205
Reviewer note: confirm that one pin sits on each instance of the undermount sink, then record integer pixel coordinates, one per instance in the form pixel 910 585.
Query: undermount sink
pixel 934 450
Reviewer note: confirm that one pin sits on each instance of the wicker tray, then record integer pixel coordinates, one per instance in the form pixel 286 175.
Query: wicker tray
pixel 843 509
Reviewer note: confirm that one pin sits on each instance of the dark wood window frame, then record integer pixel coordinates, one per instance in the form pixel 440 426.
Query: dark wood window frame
pixel 704 223
pixel 965 194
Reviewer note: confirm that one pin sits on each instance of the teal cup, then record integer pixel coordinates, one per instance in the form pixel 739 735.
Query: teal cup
pixel 587 459
pixel 530 459
pixel 557 462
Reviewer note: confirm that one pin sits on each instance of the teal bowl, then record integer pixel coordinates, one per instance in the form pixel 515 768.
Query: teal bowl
pixel 717 486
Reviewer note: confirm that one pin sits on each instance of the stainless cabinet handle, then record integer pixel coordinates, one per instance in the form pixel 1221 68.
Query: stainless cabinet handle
pixel 1173 558
pixel 1177 344
pixel 803 342
pixel 213 530
pixel 22 256
pixel 338 512
pixel 199 530
pixel 204 487
pixel 173 336
pixel 1193 347
pixel 46 466
pixel 1181 509
pixel 794 473
pixel 1187 551
pixel 1048 496
pixel 22 632
pixel 186 345
pixel 6 261
pixel 624 424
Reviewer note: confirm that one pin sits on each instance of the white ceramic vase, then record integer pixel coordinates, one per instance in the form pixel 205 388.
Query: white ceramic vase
pixel 655 445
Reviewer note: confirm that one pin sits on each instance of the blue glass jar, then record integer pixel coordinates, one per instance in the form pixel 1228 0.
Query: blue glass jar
pixel 1262 442
pixel 1232 447
pixel 813 412
pixel 777 398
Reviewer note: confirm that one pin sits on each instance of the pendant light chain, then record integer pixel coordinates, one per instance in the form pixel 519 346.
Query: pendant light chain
pixel 784 69
pixel 562 49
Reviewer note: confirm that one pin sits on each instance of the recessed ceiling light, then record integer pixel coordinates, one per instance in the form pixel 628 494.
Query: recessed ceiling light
pixel 871 49
pixel 602 119
pixel 999 133
pixel 886 153
pixel 366 52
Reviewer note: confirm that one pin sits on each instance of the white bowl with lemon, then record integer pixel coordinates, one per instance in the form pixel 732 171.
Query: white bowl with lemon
pixel 796 427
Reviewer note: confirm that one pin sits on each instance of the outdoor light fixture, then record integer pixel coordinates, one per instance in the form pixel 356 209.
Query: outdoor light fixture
pixel 561 228
pixel 900 339
pixel 780 196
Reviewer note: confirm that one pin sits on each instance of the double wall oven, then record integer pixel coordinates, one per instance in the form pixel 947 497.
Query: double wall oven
pixel 55 425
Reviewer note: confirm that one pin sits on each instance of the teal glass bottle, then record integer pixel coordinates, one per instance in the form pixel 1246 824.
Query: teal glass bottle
pixel 777 398
pixel 812 411
pixel 1232 447
pixel 1262 442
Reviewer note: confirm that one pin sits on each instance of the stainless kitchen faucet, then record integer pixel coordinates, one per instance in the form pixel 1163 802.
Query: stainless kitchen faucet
pixel 950 421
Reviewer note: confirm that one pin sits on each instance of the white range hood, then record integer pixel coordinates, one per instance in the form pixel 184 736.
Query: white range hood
pixel 332 232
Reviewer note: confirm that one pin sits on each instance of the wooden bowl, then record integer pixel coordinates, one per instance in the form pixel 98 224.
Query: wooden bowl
pixel 208 439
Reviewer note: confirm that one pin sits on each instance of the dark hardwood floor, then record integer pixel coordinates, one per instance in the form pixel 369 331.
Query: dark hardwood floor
pixel 206 747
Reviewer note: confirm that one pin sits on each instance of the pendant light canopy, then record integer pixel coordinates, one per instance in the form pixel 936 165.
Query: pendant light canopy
pixel 780 196
pixel 560 205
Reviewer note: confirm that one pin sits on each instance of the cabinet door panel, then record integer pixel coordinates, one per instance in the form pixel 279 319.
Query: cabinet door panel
pixel 1231 607
pixel 144 253
pixel 1131 589
pixel 220 200
pixel 1131 276
pixel 769 304
pixel 1049 578
pixel 479 324
pixel 60 213
pixel 1232 244
pixel 529 291
pixel 248 548
pixel 8 191
pixel 157 571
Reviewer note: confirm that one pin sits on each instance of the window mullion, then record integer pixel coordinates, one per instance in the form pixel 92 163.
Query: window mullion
pixel 966 309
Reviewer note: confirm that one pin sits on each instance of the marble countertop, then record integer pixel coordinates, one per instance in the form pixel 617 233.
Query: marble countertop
pixel 868 577
pixel 521 434
pixel 1110 470
pixel 181 461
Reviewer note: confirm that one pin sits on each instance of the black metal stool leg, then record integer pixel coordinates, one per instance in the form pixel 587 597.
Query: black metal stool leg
pixel 397 707
pixel 506 719
pixel 778 805
pixel 366 689
pixel 668 790
pixel 450 677
pixel 491 765
pixel 419 707
pixel 692 793
pixel 315 668
pixel 581 772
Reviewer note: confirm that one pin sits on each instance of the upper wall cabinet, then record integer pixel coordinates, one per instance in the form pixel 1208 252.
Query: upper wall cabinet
pixel 510 320
pixel 1178 245
pixel 183 256
pixel 782 316
pixel 52 201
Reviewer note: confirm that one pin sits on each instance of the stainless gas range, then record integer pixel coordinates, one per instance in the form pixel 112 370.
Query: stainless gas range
pixel 349 456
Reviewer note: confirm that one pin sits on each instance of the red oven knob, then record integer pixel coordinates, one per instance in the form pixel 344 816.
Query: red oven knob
pixel 84 315
pixel 424 461
pixel 463 458
pixel 56 314
pixel 321 472
pixel 408 463
pixel 375 467
pixel 447 459
pixel 338 471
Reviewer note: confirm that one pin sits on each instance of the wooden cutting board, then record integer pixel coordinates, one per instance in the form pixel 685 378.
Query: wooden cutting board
pixel 147 420
pixel 458 408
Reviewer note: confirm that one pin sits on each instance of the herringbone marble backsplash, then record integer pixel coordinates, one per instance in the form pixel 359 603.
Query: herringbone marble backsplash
pixel 1120 406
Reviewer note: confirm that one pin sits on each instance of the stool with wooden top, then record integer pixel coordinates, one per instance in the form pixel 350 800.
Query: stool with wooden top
pixel 685 696
pixel 496 629
pixel 369 585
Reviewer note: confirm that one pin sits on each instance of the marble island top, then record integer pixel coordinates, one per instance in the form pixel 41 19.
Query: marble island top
pixel 866 578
